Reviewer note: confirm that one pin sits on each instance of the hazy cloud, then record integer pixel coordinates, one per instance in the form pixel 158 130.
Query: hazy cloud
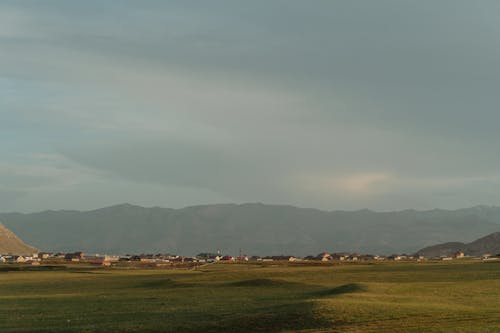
pixel 383 104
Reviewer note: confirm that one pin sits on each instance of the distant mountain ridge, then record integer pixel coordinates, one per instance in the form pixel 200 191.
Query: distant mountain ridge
pixel 489 244
pixel 11 244
pixel 253 227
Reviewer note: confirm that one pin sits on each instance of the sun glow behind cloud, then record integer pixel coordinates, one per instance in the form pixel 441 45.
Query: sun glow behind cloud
pixel 363 183
pixel 352 185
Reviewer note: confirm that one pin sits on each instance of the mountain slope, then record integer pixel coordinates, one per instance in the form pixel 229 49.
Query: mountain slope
pixel 488 244
pixel 11 244
pixel 255 228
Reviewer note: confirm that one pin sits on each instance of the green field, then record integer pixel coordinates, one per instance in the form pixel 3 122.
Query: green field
pixel 459 296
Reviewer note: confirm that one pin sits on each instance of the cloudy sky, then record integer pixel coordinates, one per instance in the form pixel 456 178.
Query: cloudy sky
pixel 329 104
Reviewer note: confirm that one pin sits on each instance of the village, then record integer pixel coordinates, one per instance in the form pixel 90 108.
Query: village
pixel 166 260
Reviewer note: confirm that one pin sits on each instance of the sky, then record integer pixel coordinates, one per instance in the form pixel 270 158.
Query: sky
pixel 384 105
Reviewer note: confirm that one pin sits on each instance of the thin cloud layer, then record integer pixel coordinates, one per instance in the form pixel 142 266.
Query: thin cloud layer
pixel 335 105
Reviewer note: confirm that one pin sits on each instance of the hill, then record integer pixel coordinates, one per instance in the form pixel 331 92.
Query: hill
pixel 255 228
pixel 488 244
pixel 11 244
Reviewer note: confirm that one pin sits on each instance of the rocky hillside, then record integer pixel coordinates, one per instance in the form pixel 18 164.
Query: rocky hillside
pixel 488 244
pixel 11 244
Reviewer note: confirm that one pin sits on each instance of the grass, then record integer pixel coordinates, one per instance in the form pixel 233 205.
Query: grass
pixel 460 296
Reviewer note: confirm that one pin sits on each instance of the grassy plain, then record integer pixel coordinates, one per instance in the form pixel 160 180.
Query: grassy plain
pixel 459 296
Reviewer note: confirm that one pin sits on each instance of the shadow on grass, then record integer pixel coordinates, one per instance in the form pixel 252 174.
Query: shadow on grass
pixel 317 291
pixel 264 283
pixel 32 268
pixel 165 284
pixel 294 316
pixel 86 272
pixel 340 290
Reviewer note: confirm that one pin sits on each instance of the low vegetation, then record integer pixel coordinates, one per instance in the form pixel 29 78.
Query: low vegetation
pixel 458 296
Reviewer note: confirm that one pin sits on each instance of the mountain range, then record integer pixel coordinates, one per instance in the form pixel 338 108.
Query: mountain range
pixel 254 228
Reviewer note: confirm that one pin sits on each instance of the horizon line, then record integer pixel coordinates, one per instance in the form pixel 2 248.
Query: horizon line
pixel 255 203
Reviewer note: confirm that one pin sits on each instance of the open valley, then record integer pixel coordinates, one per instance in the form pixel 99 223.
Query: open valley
pixel 458 296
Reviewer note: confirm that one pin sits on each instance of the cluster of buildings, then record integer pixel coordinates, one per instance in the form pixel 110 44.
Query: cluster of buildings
pixel 27 259
pixel 163 259
pixel 100 260
pixel 462 255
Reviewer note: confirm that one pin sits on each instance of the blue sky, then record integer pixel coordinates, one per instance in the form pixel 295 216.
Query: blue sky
pixel 330 104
